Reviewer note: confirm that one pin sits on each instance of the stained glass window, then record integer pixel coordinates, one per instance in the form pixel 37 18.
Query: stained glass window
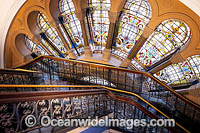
pixel 136 15
pixel 195 64
pixel 34 47
pixel 50 32
pixel 180 73
pixel 50 48
pixel 168 36
pixel 100 21
pixel 137 65
pixel 71 22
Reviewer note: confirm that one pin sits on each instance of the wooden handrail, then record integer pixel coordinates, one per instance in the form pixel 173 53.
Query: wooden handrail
pixel 17 71
pixel 115 68
pixel 9 97
pixel 140 107
pixel 13 97
pixel 27 97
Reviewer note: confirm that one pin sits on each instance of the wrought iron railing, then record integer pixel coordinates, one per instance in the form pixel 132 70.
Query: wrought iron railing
pixel 46 91
pixel 16 106
pixel 152 89
pixel 13 76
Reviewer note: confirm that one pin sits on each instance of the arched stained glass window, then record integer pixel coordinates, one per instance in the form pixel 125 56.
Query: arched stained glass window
pixel 50 32
pixel 195 64
pixel 168 36
pixel 100 21
pixel 136 15
pixel 50 48
pixel 180 73
pixel 71 22
pixel 34 47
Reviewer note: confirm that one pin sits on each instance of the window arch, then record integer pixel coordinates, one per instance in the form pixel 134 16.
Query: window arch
pixel 136 15
pixel 34 47
pixel 71 22
pixel 168 36
pixel 100 21
pixel 50 32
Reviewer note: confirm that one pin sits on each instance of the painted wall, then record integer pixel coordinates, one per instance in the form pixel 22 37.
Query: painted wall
pixel 8 9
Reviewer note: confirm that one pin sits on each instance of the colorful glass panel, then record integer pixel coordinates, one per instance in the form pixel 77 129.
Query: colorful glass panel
pixel 195 64
pixel 50 48
pixel 168 36
pixel 136 15
pixel 137 65
pixel 50 32
pixel 34 47
pixel 100 21
pixel 71 22
pixel 176 74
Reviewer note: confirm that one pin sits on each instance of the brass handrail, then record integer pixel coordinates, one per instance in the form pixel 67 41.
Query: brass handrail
pixel 39 58
pixel 14 95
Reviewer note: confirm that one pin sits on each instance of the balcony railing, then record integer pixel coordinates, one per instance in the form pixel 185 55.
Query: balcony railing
pixel 90 101
pixel 63 71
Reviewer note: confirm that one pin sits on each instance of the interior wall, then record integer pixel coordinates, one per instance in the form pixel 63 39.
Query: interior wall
pixel 192 4
pixel 8 10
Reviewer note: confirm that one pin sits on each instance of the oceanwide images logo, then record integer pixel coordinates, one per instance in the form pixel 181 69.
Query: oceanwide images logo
pixel 46 121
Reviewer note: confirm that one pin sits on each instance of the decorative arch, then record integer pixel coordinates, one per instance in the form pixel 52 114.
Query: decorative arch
pixel 34 47
pixel 30 21
pixel 17 43
pixel 21 45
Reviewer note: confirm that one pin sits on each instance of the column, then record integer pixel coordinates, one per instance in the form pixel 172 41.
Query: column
pixel 113 17
pixel 81 14
pixel 146 33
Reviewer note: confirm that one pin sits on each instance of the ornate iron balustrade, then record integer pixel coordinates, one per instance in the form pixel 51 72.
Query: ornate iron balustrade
pixel 173 104
pixel 15 107
pixel 132 98
pixel 133 81
pixel 12 76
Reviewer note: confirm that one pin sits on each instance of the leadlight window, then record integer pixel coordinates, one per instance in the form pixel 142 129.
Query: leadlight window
pixel 136 15
pixel 52 50
pixel 168 36
pixel 195 64
pixel 71 22
pixel 34 47
pixel 50 32
pixel 100 21
pixel 180 73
